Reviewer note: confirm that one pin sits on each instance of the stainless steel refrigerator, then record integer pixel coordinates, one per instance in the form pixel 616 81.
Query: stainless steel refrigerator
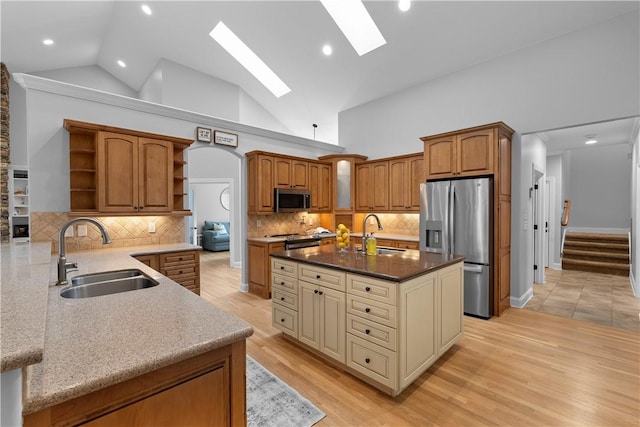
pixel 455 218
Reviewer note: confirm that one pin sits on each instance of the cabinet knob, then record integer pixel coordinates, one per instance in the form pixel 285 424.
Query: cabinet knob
pixel 282 320
pixel 282 283
pixel 282 267
pixel 367 360
pixel 180 259
pixel 367 331
pixel 320 292
pixel 315 291
pixel 180 272
pixel 281 298
pixel 317 276
pixel 368 289
pixel 367 309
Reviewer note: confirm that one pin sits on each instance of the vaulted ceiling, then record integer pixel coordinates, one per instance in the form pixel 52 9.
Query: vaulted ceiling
pixel 430 40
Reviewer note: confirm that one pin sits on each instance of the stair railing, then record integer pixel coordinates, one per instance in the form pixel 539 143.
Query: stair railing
pixel 564 222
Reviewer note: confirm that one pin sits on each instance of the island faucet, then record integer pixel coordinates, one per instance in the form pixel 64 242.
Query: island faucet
pixel 364 228
pixel 63 265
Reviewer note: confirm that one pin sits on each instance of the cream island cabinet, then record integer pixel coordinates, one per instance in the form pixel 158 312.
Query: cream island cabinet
pixel 385 318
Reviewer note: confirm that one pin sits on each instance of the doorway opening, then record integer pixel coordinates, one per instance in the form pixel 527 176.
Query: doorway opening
pixel 539 225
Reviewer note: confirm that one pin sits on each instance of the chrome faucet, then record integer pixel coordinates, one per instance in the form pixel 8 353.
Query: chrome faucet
pixel 364 228
pixel 63 265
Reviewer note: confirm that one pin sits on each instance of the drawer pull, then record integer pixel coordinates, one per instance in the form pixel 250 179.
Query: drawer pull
pixel 367 331
pixel 282 283
pixel 320 292
pixel 315 291
pixel 281 298
pixel 367 309
pixel 180 258
pixel 367 360
pixel 282 320
pixel 368 289
pixel 180 272
pixel 317 276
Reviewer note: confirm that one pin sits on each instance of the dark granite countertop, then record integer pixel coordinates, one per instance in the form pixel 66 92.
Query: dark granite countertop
pixel 397 267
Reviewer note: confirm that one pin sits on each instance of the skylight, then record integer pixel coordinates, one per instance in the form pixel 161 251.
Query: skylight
pixel 249 60
pixel 356 24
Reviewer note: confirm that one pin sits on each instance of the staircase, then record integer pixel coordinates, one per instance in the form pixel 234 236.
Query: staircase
pixel 596 253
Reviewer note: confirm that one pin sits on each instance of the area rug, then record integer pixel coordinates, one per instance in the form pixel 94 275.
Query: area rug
pixel 271 402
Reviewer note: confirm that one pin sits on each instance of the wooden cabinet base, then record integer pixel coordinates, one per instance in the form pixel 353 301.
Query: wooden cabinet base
pixel 209 389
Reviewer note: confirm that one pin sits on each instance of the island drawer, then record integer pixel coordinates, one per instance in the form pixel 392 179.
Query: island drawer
pixel 178 258
pixel 286 282
pixel 370 288
pixel 374 361
pixel 285 319
pixel 322 276
pixel 372 310
pixel 284 298
pixel 284 267
pixel 372 331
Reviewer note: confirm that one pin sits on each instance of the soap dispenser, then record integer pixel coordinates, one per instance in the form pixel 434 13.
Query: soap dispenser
pixel 372 245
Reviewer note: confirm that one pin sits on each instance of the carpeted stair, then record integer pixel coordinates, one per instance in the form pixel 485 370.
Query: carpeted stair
pixel 596 253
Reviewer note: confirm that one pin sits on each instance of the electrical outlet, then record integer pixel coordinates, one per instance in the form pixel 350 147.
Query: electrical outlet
pixel 82 230
pixel 258 223
pixel 152 227
pixel 310 221
pixel 69 232
pixel 371 220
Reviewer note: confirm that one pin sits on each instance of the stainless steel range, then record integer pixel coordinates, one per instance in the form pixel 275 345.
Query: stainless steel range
pixel 298 241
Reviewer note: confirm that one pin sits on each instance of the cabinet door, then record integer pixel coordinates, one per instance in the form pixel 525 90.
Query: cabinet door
pixel 416 177
pixel 474 152
pixel 379 192
pixel 333 323
pixel 451 306
pixel 363 185
pixel 282 173
pixel 308 314
pixel 117 172
pixel 204 400
pixel 260 183
pixel 149 260
pixel 398 174
pixel 320 186
pixel 299 174
pixel 155 175
pixel 440 158
pixel 259 271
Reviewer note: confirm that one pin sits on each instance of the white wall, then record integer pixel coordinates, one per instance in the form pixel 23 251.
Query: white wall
pixel 600 188
pixel 635 215
pixel 18 124
pixel 151 89
pixel 207 203
pixel 89 76
pixel 251 112
pixel 565 81
pixel 527 151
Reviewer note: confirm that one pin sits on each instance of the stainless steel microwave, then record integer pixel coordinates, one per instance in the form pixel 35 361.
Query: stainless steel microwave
pixel 290 200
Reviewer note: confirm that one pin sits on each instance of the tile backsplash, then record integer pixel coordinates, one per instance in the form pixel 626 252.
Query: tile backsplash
pixel 279 223
pixel 124 231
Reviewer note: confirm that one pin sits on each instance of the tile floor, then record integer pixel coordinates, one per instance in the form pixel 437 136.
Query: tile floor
pixel 598 298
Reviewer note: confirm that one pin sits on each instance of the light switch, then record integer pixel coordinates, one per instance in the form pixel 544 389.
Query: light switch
pixel 69 232
pixel 258 223
pixel 82 230
pixel 152 227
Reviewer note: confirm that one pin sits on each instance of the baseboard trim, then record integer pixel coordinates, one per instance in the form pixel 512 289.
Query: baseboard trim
pixel 236 264
pixel 244 287
pixel 523 300
pixel 598 230
pixel 556 266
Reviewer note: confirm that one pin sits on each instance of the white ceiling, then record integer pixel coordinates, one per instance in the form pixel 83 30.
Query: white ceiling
pixel 432 39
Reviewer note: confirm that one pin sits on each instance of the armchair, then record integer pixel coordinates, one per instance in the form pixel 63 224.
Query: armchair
pixel 215 236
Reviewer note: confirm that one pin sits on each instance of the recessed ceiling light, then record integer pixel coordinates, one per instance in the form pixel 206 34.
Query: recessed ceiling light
pixel 121 63
pixel 249 60
pixel 47 42
pixel 356 24
pixel 591 139
pixel 327 50
pixel 146 9
pixel 404 5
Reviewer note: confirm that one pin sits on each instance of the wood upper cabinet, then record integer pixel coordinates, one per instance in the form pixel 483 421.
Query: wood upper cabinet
pixel 372 183
pixel 135 174
pixel 465 154
pixel 123 172
pixel 290 173
pixel 260 183
pixel 320 186
pixel 405 176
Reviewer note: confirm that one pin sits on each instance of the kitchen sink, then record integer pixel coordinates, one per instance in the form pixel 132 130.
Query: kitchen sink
pixel 104 276
pixel 107 283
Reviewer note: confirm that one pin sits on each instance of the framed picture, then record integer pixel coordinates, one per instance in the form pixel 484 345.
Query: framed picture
pixel 203 134
pixel 225 138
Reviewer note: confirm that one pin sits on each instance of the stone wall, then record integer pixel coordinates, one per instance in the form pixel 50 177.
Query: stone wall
pixel 4 155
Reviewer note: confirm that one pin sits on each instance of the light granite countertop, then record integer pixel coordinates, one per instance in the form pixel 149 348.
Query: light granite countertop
pixel 91 343
pixel 25 279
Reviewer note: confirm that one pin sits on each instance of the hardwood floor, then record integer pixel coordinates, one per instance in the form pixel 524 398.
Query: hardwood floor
pixel 525 368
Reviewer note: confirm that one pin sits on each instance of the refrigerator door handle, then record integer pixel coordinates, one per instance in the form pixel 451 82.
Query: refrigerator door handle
pixel 473 268
pixel 452 202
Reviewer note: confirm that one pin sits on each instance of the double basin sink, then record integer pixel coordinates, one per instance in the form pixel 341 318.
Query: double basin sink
pixel 107 282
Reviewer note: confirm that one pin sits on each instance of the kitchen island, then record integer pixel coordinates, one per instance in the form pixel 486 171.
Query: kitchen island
pixel 160 355
pixel 384 318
